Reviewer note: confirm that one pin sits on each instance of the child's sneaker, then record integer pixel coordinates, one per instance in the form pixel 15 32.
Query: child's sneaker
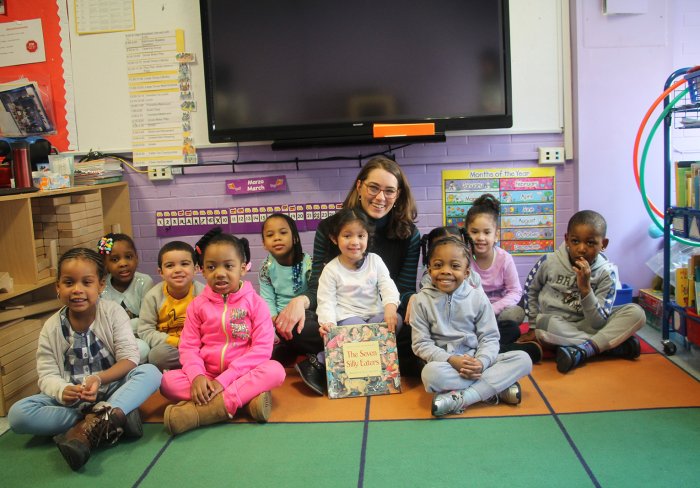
pixel 450 402
pixel 510 396
pixel 629 349
pixel 569 357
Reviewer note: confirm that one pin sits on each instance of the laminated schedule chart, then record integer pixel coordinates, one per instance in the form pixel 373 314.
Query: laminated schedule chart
pixel 527 204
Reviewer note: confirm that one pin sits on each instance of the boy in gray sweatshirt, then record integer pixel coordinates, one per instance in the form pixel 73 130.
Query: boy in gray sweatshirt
pixel 570 294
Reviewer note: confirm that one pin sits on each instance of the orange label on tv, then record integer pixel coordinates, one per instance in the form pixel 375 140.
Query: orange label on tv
pixel 403 130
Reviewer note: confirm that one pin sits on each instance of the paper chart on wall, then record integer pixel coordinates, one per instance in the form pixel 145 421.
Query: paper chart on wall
pixel 527 197
pixel 160 99
pixel 98 16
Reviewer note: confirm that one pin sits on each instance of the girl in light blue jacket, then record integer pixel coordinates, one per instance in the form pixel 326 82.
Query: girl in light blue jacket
pixel 454 331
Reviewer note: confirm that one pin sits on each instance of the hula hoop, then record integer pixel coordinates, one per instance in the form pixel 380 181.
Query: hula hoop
pixel 642 181
pixel 639 137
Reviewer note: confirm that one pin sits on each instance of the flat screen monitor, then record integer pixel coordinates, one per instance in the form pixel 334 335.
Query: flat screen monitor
pixel 310 72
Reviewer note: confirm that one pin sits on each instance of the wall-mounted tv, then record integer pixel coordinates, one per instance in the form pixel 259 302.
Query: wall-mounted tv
pixel 325 71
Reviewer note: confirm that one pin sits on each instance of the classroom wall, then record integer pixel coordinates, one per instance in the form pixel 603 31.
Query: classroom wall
pixel 621 63
pixel 330 181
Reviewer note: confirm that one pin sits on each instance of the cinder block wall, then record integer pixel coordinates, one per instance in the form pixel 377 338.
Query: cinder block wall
pixel 203 187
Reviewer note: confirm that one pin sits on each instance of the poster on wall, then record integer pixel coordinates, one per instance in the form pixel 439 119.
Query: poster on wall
pixel 527 204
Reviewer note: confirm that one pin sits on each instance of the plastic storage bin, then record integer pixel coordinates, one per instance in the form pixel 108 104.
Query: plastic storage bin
pixel 624 295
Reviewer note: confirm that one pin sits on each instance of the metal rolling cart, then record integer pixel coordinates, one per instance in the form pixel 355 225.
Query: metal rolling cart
pixel 682 111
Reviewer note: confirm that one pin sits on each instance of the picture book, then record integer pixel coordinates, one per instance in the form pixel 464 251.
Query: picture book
pixel 361 360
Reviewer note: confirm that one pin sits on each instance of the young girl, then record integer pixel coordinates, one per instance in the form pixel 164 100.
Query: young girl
pixel 429 239
pixel 455 333
pixel 125 285
pixel 285 272
pixel 225 345
pixel 355 287
pixel 87 361
pixel 499 276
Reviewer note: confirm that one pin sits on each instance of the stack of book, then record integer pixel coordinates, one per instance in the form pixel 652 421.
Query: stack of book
pixel 97 172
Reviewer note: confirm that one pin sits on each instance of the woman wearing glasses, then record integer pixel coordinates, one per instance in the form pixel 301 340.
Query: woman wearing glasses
pixel 382 192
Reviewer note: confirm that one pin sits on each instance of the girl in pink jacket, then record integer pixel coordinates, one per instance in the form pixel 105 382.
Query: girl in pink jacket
pixel 225 346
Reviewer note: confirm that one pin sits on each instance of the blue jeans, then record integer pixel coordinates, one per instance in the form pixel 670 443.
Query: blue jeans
pixel 43 415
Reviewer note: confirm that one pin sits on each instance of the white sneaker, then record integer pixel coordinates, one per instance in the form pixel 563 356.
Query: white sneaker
pixel 511 396
pixel 450 402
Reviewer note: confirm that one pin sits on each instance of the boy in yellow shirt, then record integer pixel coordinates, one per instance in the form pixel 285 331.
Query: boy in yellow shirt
pixel 162 314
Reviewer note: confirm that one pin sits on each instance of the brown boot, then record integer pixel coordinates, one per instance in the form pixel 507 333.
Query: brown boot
pixel 187 415
pixel 260 407
pixel 96 428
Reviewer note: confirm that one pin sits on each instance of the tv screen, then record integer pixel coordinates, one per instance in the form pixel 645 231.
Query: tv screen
pixel 315 71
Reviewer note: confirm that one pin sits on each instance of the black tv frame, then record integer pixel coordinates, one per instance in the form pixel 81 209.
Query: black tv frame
pixel 358 132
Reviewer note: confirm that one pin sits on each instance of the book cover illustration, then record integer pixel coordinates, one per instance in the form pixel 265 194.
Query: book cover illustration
pixel 361 360
pixel 27 110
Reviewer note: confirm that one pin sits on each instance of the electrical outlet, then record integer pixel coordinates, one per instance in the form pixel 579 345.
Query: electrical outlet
pixel 156 173
pixel 551 155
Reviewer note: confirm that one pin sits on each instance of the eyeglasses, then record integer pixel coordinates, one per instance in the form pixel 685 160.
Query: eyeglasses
pixel 373 190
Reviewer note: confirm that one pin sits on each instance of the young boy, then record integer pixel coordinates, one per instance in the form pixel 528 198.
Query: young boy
pixel 570 294
pixel 163 309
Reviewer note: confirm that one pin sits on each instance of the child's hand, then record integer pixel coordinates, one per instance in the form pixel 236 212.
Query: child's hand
pixel 583 276
pixel 391 317
pixel 91 385
pixel 325 328
pixel 200 390
pixel 71 394
pixel 467 366
pixel 471 368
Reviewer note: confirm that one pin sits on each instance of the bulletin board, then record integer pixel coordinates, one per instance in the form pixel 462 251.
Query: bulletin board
pixel 50 72
pixel 527 204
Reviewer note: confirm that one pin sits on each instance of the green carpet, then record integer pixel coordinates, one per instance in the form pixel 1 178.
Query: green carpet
pixel 643 448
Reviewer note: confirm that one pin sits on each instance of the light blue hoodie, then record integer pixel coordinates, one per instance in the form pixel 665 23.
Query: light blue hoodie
pixel 461 322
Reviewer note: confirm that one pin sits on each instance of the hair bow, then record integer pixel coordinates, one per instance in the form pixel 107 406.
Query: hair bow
pixel 105 245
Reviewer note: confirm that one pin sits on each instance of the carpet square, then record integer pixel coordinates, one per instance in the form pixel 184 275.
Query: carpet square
pixel 650 381
pixel 414 403
pixel 479 452
pixel 250 455
pixel 642 448
pixel 36 461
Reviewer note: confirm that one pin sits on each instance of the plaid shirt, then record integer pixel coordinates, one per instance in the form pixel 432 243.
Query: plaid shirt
pixel 86 354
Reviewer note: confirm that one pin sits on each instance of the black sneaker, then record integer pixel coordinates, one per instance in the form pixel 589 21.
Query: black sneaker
pixel 569 357
pixel 313 373
pixel 629 349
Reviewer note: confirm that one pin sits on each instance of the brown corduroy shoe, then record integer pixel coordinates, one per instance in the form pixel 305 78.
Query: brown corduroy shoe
pixel 187 415
pixel 260 407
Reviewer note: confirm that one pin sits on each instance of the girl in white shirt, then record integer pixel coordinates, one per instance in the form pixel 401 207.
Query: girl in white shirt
pixel 355 287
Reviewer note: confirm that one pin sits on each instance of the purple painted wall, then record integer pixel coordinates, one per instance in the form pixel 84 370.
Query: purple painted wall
pixel 620 65
pixel 330 181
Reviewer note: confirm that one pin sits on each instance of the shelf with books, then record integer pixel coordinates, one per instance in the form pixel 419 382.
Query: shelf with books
pixel 681 221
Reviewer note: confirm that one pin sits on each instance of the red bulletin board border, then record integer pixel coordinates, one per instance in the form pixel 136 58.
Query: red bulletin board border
pixel 50 70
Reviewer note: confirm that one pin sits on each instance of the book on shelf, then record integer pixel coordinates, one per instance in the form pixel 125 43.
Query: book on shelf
pixel 682 286
pixel 682 172
pixel 361 360
pixel 97 172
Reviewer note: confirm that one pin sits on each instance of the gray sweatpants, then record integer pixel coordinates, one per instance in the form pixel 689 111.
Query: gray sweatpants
pixel 622 323
pixel 509 367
